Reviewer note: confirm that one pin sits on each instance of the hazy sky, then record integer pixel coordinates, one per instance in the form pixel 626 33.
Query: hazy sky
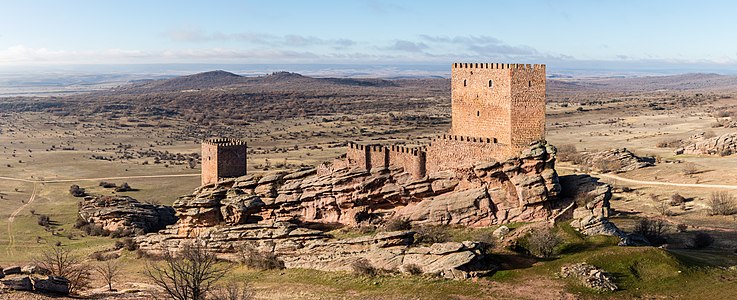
pixel 368 31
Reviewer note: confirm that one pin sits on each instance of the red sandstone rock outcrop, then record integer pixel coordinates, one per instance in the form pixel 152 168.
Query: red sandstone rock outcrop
pixel 515 190
pixel 616 160
pixel 722 145
pixel 125 213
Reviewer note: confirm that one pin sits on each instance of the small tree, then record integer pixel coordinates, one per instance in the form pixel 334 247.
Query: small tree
pixel 240 291
pixel 63 263
pixel 721 203
pixel 542 242
pixel 690 168
pixel 109 270
pixel 653 230
pixel 189 275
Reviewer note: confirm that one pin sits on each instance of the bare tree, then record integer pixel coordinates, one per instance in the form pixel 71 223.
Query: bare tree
pixel 63 263
pixel 109 270
pixel 240 291
pixel 722 203
pixel 188 274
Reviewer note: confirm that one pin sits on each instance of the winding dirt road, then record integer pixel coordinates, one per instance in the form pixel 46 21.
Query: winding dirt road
pixel 645 182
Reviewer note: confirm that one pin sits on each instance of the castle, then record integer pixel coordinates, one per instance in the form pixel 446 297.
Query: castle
pixel 222 157
pixel 497 110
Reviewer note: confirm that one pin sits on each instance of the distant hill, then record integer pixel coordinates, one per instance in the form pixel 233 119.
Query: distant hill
pixel 683 82
pixel 282 81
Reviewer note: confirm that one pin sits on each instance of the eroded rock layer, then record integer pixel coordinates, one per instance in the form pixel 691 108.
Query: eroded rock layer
pixel 516 190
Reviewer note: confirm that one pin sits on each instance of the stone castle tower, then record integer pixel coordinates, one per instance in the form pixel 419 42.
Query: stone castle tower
pixel 222 157
pixel 501 102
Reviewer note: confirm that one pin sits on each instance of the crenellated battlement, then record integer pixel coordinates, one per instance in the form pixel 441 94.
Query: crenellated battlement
pixel 451 137
pixel 535 67
pixel 224 142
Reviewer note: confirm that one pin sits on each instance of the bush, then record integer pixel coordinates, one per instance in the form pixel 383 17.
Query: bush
pixel 567 152
pixel 397 224
pixel 107 185
pixel 232 291
pixel 676 199
pixel 721 203
pixel 77 191
pixel 363 266
pixel 690 168
pixel 681 227
pixel 127 244
pixel 44 220
pixel 124 188
pixel 261 260
pixel 653 230
pixel 542 242
pixel 431 234
pixel 95 230
pixel 663 208
pixel 412 269
pixel 700 240
pixel 80 223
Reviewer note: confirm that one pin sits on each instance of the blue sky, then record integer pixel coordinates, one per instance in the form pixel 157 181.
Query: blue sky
pixel 584 33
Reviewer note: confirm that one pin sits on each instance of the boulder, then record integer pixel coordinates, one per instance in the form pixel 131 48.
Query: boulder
pixel 616 160
pixel 721 145
pixel 125 213
pixel 17 283
pixel 500 232
pixel 52 284
pixel 12 270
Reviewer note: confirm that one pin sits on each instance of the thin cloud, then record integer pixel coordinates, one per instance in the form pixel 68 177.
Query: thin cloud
pixel 407 46
pixel 193 35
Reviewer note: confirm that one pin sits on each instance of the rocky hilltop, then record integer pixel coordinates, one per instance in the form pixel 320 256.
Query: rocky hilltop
pixel 123 213
pixel 516 190
pixel 721 145
pixel 274 212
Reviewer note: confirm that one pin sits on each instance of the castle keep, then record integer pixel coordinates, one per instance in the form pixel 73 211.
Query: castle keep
pixel 497 110
pixel 222 157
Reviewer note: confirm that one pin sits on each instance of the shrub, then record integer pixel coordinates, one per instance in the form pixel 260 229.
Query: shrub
pixel 431 234
pixel 44 220
pixel 62 262
pixel 700 240
pixel 232 291
pixel 77 191
pixel 127 244
pixel 261 260
pixel 606 165
pixel 721 203
pixel 676 199
pixel 653 230
pixel 188 275
pixel 681 227
pixel 396 224
pixel 566 152
pixel 124 188
pixel 663 208
pixel 80 222
pixel 107 185
pixel 363 266
pixel 412 269
pixel 542 242
pixel 690 168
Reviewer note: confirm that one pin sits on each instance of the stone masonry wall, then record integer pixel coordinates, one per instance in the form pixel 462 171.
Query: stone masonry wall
pixel 451 151
pixel 411 159
pixel 222 158
pixel 528 105
pixel 478 109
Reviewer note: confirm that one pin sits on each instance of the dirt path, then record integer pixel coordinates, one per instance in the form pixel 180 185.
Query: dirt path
pixel 36 183
pixel 11 237
pixel 645 182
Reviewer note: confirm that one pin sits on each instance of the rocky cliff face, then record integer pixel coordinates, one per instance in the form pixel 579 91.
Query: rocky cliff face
pixel 123 212
pixel 722 145
pixel 616 160
pixel 298 247
pixel 515 190
pixel 273 213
